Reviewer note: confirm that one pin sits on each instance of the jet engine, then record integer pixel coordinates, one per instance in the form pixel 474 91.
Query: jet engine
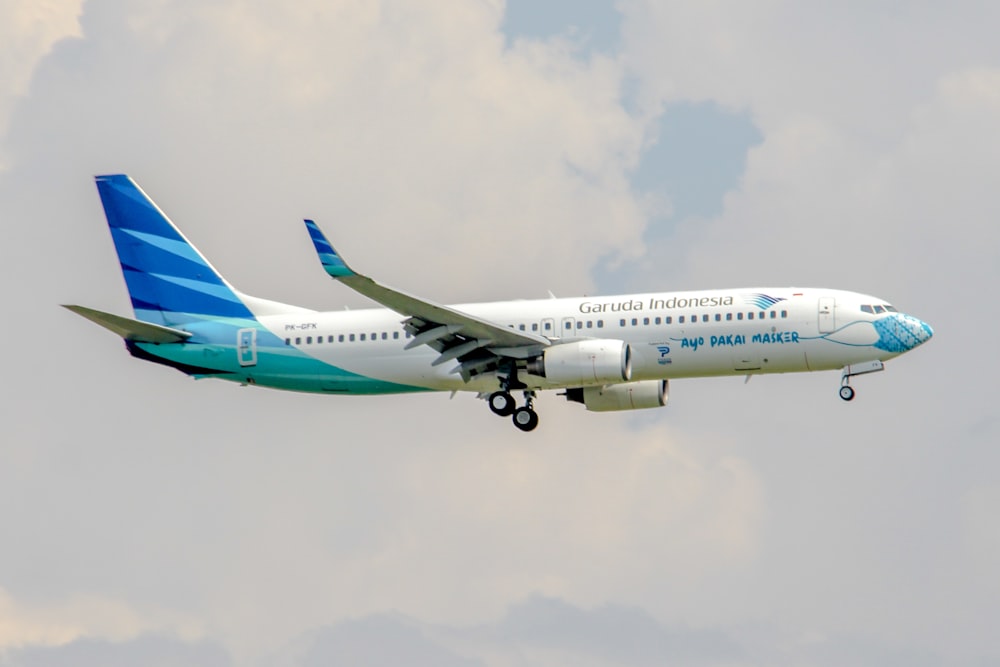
pixel 586 362
pixel 625 396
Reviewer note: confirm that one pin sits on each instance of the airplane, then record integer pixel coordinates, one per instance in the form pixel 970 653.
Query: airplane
pixel 609 353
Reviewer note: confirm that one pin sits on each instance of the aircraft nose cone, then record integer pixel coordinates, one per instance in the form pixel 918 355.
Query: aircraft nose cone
pixel 927 330
pixel 900 333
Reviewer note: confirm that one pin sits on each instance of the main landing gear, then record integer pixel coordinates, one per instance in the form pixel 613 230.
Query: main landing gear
pixel 524 417
pixel 502 403
pixel 846 390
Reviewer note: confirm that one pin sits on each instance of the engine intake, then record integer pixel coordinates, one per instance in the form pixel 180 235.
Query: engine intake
pixel 586 362
pixel 626 396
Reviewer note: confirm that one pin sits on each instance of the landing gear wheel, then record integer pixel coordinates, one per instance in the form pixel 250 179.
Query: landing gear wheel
pixel 525 419
pixel 847 392
pixel 502 403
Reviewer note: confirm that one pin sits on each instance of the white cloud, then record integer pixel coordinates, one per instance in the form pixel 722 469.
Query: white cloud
pixel 28 29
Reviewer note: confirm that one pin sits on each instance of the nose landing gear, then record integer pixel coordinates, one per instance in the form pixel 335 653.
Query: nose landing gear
pixel 846 390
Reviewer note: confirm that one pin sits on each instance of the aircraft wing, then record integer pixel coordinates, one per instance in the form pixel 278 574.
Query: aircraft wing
pixel 474 342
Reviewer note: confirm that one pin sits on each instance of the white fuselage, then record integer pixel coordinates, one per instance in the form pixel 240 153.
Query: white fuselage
pixel 672 335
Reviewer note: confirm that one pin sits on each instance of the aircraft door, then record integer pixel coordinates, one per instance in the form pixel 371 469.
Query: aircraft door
pixel 827 314
pixel 246 343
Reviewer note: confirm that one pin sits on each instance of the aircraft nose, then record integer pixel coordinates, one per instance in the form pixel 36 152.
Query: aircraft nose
pixel 900 333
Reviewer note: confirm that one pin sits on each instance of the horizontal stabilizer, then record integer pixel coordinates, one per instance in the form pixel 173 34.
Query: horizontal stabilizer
pixel 129 329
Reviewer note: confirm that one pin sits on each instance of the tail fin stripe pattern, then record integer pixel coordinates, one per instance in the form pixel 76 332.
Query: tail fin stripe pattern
pixel 166 263
pixel 169 281
pixel 178 248
pixel 215 291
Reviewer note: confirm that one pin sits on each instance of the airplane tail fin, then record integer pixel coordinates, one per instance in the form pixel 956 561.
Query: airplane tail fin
pixel 168 280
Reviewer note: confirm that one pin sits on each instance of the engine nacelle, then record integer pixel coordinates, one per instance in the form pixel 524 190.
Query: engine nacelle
pixel 627 396
pixel 586 362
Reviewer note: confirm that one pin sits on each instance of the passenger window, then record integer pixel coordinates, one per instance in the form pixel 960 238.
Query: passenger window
pixel 657 320
pixel 569 325
pixel 718 317
pixel 309 340
pixel 774 314
pixel 521 327
pixel 729 317
pixel 298 341
pixel 352 338
pixel 590 324
pixel 385 336
pixel 739 316
pixel 534 326
pixel 288 341
pixel 704 318
pixel 340 338
pixel 784 314
pixel 694 318
pixel 621 323
pixel 680 319
pixel 395 335
pixel 548 326
pixel 668 319
pixel 319 340
pixel 645 321
pixel 635 321
pixel 362 336
pixel 749 316
pixel 600 324
pixel 867 309
pixel 579 324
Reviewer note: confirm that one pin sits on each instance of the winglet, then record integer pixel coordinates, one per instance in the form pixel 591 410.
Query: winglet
pixel 333 264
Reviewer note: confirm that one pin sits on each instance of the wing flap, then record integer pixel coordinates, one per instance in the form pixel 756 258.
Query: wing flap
pixel 129 329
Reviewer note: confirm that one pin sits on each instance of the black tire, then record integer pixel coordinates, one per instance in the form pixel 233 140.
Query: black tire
pixel 525 419
pixel 847 392
pixel 502 403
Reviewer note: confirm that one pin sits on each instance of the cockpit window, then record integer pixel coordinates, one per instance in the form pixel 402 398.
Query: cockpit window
pixel 890 309
pixel 879 309
pixel 867 309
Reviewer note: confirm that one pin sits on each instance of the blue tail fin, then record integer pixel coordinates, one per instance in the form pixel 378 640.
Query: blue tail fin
pixel 169 281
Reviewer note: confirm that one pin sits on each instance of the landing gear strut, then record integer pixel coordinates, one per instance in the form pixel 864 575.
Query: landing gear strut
pixel 846 390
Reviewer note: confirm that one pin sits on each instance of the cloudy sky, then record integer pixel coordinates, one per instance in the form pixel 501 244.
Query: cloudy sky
pixel 472 150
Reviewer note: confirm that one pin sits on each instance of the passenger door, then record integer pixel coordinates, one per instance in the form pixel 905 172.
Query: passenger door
pixel 827 314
